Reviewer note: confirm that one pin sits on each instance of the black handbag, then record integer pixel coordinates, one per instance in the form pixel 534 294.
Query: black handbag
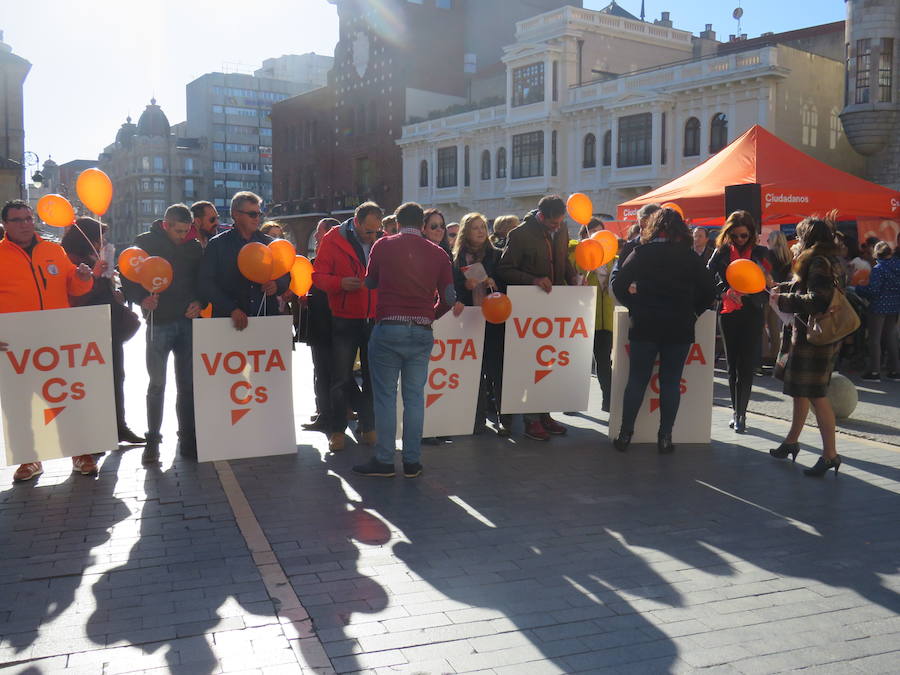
pixel 125 323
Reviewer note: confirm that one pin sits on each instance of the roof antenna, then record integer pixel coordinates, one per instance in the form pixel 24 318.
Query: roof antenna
pixel 642 10
pixel 737 14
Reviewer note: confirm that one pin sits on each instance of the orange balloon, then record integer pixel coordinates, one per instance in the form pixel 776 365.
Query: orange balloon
pixel 745 276
pixel 255 262
pixel 55 210
pixel 206 312
pixel 580 208
pixel 283 254
pixel 130 261
pixel 301 276
pixel 95 190
pixel 496 308
pixel 861 277
pixel 156 274
pixel 589 254
pixel 609 242
pixel 674 207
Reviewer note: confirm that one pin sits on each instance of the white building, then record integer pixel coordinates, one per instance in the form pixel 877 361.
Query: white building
pixel 613 107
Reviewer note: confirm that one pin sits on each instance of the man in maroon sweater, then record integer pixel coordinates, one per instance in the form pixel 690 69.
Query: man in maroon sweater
pixel 415 287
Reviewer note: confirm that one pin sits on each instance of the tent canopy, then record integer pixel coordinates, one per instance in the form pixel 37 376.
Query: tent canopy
pixel 793 185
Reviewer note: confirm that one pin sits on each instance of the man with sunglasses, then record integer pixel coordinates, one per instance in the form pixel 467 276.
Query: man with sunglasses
pixel 205 225
pixel 339 270
pixel 221 282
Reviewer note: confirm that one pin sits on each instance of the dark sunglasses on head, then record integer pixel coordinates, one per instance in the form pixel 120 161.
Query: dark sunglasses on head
pixel 252 214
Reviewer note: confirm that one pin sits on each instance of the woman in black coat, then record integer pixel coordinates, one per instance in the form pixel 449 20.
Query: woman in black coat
pixel 671 289
pixel 474 247
pixel 806 368
pixel 741 316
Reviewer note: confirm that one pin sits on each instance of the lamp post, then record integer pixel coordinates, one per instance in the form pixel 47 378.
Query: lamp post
pixel 31 159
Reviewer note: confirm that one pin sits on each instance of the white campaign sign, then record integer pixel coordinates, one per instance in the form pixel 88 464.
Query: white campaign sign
pixel 243 399
pixel 57 392
pixel 454 374
pixel 694 421
pixel 548 349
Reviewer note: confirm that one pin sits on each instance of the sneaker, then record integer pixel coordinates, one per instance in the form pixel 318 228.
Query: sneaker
pixel 28 471
pixel 376 469
pixel 411 469
pixel 894 376
pixel 368 437
pixel 84 464
pixel 870 377
pixel 126 435
pixel 336 442
pixel 551 426
pixel 151 453
pixel 536 432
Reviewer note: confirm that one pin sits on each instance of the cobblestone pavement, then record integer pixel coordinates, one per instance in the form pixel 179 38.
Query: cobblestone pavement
pixel 506 556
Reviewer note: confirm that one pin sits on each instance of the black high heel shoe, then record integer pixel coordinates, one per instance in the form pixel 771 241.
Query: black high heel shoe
pixel 785 449
pixel 821 467
pixel 622 441
pixel 740 424
pixel 664 444
pixel 733 421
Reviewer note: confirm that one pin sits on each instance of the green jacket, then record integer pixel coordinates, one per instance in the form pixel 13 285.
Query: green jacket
pixel 532 252
pixel 603 319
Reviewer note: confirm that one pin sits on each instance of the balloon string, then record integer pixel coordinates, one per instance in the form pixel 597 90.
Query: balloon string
pixel 90 243
pixel 151 323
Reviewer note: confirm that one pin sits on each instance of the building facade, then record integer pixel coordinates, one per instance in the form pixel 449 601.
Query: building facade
pixel 150 168
pixel 396 60
pixel 13 71
pixel 871 114
pixel 232 110
pixel 609 105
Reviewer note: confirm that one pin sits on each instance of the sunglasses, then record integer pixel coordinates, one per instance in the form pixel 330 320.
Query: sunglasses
pixel 252 214
pixel 742 235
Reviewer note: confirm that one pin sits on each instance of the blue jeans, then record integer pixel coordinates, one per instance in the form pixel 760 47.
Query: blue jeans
pixel 175 336
pixel 403 352
pixel 671 365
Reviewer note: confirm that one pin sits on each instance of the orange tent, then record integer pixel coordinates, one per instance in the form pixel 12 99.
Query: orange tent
pixel 793 185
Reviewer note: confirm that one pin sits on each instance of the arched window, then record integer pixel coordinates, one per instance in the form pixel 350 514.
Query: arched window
pixel 501 163
pixel 590 152
pixel 718 133
pixel 486 165
pixel 423 173
pixel 466 166
pixel 692 137
pixel 607 148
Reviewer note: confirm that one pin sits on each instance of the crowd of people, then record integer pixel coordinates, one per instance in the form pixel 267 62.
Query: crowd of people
pixel 381 280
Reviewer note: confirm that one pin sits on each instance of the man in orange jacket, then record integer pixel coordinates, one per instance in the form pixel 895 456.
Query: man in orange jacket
pixel 38 275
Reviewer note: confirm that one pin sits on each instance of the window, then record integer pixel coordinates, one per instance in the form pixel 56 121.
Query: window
pixel 159 207
pixel 662 139
pixel 159 184
pixel 528 84
pixel 466 166
pixel 501 163
pixel 364 176
pixel 863 63
pixel 528 155
pixel 486 165
pixel 444 4
pixel 607 148
pixel 555 80
pixel 146 185
pixel 145 207
pixel 835 134
pixel 423 173
pixel 885 70
pixel 159 164
pixel 189 188
pixel 589 154
pixel 809 120
pixel 145 163
pixel 446 168
pixel 718 133
pixel 635 140
pixel 234 147
pixel 189 164
pixel 692 137
pixel 553 152
pixel 236 167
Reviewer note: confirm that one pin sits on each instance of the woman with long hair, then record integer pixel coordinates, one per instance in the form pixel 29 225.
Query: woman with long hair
pixel 473 284
pixel 780 259
pixel 741 316
pixel 434 230
pixel 82 244
pixel 806 368
pixel 603 317
pixel 671 288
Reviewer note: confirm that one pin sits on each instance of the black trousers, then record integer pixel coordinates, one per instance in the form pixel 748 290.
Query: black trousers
pixel 490 389
pixel 742 334
pixel 348 336
pixel 321 358
pixel 603 340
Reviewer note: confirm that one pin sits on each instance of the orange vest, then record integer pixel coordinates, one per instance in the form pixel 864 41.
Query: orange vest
pixel 43 281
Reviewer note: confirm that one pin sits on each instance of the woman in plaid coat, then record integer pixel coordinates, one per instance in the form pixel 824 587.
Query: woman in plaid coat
pixel 806 368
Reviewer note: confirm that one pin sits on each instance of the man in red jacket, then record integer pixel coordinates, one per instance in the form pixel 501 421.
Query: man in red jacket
pixel 339 270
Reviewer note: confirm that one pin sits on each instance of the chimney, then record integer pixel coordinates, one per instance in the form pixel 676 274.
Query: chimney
pixel 709 33
pixel 665 21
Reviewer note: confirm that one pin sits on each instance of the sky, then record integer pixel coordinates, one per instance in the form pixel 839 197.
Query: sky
pixel 96 61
